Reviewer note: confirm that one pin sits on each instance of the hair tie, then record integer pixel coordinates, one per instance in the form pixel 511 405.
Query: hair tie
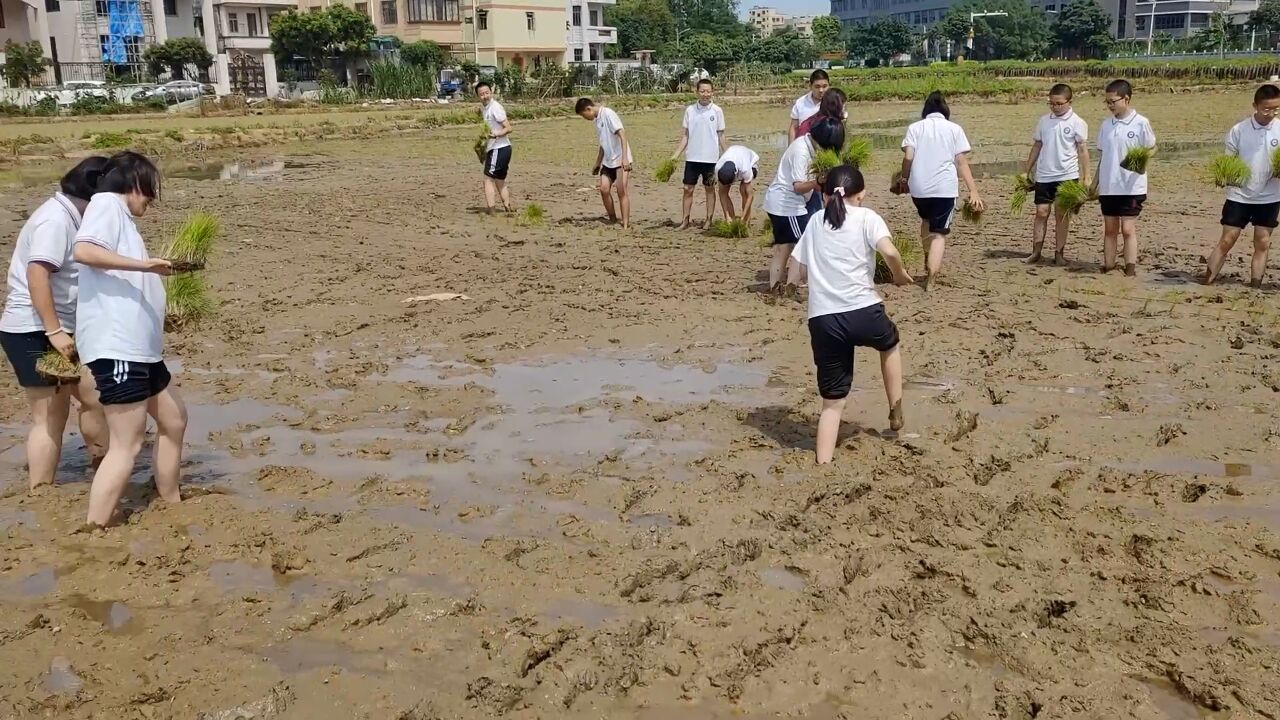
pixel 838 191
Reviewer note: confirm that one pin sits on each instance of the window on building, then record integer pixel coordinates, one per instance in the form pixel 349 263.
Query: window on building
pixel 49 7
pixel 1140 23
pixel 1122 13
pixel 577 54
pixel 314 10
pixel 595 53
pixel 1171 22
pixel 363 9
pixel 1051 8
pixel 595 18
pixel 171 8
pixel 432 11
pixel 233 23
pixel 100 7
pixel 252 21
pixel 482 19
pixel 529 21
pixel 1 16
pixel 1200 20
pixel 389 12
pixel 577 16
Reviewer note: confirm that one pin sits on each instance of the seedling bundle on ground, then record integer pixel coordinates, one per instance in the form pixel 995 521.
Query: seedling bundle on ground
pixel 730 229
pixel 533 214
pixel 1229 171
pixel 665 170
pixel 1136 160
pixel 1023 185
pixel 188 298
pixel 912 255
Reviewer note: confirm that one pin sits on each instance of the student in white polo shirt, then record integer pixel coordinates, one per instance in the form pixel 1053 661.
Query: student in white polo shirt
pixel 613 162
pixel 1257 203
pixel 120 311
pixel 40 314
pixel 497 156
pixel 1121 192
pixel 807 105
pixel 787 195
pixel 935 150
pixel 737 164
pixel 1059 152
pixel 701 142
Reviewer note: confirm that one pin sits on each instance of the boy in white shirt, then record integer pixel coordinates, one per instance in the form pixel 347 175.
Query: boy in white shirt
pixel 838 253
pixel 1257 203
pixel 1121 192
pixel 738 163
pixel 613 162
pixel 1059 152
pixel 701 141
pixel 807 105
pixel 497 157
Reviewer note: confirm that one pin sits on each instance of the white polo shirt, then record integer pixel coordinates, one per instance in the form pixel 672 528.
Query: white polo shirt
pixel 1060 139
pixel 704 124
pixel 804 107
pixel 1115 138
pixel 936 141
pixel 744 161
pixel 494 116
pixel 841 263
pixel 607 126
pixel 121 312
pixel 1254 144
pixel 46 238
pixel 781 198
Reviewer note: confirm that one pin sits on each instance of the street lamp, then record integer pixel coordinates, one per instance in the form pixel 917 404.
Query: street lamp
pixel 969 42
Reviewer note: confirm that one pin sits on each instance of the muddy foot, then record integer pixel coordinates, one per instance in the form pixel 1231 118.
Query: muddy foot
pixel 685 225
pixel 1130 270
pixel 1059 258
pixel 896 421
pixel 1207 278
pixel 1256 284
pixel 1034 257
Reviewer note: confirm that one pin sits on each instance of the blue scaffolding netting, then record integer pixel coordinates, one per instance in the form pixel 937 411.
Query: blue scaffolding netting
pixel 124 28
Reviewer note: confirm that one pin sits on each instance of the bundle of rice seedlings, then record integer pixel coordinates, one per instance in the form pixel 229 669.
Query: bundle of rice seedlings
pixel 897 185
pixel 857 153
pixel 532 214
pixel 824 161
pixel 912 255
pixel 970 214
pixel 1136 160
pixel 52 365
pixel 665 170
pixel 1275 163
pixel 1023 185
pixel 730 229
pixel 1071 196
pixel 1229 171
pixel 191 246
pixel 188 301
pixel 482 142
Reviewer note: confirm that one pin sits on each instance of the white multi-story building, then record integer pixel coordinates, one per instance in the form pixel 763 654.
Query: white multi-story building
pixel 236 34
pixel 802 24
pixel 586 34
pixel 766 20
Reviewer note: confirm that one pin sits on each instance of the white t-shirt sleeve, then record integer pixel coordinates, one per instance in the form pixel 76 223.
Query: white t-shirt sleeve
pixel 499 114
pixel 1233 140
pixel 909 140
pixel 960 141
pixel 877 230
pixel 1082 131
pixel 613 122
pixel 1148 134
pixel 719 120
pixel 795 110
pixel 1037 135
pixel 101 225
pixel 684 122
pixel 48 245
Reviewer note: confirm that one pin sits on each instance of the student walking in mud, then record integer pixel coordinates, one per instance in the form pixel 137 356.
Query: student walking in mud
pixel 40 314
pixel 1059 152
pixel 936 150
pixel 1256 202
pixel 613 161
pixel 786 197
pixel 1121 192
pixel 701 143
pixel 737 164
pixel 838 253
pixel 497 156
pixel 120 311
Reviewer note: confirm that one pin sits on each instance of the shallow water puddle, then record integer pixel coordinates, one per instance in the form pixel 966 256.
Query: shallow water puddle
pixel 588 613
pixel 236 170
pixel 62 679
pixel 783 578
pixel 302 654
pixel 238 576
pixel 114 616
pixel 1191 466
pixel 1172 704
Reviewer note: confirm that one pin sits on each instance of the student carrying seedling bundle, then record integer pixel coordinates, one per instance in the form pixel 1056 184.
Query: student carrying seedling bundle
pixel 935 151
pixel 738 163
pixel 838 253
pixel 701 141
pixel 786 196
pixel 613 162
pixel 120 311
pixel 497 157
pixel 1059 153
pixel 1257 201
pixel 832 106
pixel 1121 191
pixel 40 314
pixel 808 105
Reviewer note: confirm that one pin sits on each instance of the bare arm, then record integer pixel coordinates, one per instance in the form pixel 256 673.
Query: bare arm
pixel 908 157
pixel 720 137
pixel 96 256
pixel 503 131
pixel 599 159
pixel 962 167
pixel 793 130
pixel 682 145
pixel 805 186
pixel 38 287
pixel 1083 151
pixel 893 260
pixel 626 150
pixel 1036 147
pixel 748 199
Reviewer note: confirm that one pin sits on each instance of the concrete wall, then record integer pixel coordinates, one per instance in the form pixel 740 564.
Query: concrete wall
pixel 508 39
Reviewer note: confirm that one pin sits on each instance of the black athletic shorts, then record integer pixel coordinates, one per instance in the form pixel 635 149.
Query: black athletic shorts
pixel 694 169
pixel 938 212
pixel 23 349
pixel 787 229
pixel 121 382
pixel 497 162
pixel 1241 215
pixel 1047 192
pixel 1122 205
pixel 834 337
pixel 611 173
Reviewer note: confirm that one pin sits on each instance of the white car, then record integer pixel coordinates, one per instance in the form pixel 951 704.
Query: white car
pixel 175 91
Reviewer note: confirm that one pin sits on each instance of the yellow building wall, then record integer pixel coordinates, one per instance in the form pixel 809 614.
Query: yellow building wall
pixel 448 34
pixel 508 40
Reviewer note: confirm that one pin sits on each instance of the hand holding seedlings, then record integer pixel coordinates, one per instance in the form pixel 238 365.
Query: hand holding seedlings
pixel 63 343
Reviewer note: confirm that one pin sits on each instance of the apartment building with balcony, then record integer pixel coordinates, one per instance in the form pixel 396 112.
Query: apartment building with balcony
pixel 524 33
pixel 586 35
pixel 766 20
pixel 440 21
pixel 237 34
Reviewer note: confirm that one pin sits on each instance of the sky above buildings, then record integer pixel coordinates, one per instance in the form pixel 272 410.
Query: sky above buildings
pixel 788 7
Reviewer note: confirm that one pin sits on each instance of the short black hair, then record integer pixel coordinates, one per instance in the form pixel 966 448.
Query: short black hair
pixel 828 134
pixel 81 181
pixel 483 83
pixel 1266 92
pixel 703 81
pixel 128 172
pixel 1061 90
pixel 1121 88
pixel 936 103
pixel 817 75
pixel 583 104
pixel 727 172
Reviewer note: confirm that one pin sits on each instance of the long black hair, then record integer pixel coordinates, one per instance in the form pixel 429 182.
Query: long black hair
pixel 843 183
pixel 81 181
pixel 828 133
pixel 832 104
pixel 127 172
pixel 936 103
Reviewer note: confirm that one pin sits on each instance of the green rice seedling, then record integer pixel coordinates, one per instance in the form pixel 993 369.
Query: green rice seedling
pixel 1136 160
pixel 730 229
pixel 824 161
pixel 1275 163
pixel 191 246
pixel 1022 187
pixel 857 153
pixel 482 142
pixel 533 214
pixel 1229 171
pixel 970 214
pixel 912 255
pixel 1071 196
pixel 52 365
pixel 110 140
pixel 188 301
pixel 665 170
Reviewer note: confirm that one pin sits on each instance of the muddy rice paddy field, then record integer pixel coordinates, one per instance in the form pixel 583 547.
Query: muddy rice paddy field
pixel 587 489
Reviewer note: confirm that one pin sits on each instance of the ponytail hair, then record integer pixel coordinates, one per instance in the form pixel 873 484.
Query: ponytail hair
pixel 842 183
pixel 81 181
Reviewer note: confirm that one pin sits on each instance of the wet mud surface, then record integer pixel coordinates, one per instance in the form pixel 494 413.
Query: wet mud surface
pixel 587 490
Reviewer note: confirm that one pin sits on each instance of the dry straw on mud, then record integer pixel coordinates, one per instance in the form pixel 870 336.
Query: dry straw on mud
pixel 1023 186
pixel 665 170
pixel 1071 196
pixel 824 161
pixel 911 252
pixel 1229 171
pixel 856 153
pixel 193 244
pixel 52 365
pixel 730 229
pixel 1136 160
pixel 188 301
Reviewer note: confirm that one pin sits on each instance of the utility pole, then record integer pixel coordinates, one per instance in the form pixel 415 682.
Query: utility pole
pixel 969 42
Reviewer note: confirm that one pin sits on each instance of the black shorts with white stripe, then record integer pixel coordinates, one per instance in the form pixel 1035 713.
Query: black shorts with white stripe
pixel 937 212
pixel 497 162
pixel 121 382
pixel 787 229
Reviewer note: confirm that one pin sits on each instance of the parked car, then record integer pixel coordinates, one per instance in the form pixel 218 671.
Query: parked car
pixel 175 91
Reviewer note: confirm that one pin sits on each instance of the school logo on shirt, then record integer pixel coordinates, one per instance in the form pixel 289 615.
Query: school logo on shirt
pixel 1066 131
pixel 1132 134
pixel 1274 142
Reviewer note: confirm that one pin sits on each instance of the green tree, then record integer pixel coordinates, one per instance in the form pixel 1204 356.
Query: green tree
pixel 826 34
pixel 716 17
pixel 353 31
pixel 1021 34
pixel 704 50
pixel 423 53
pixel 1267 17
pixel 304 35
pixel 879 41
pixel 23 63
pixel 175 55
pixel 642 24
pixel 1083 29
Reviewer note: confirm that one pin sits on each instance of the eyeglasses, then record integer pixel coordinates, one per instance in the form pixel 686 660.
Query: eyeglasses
pixel 1109 102
pixel 1058 104
pixel 1268 111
